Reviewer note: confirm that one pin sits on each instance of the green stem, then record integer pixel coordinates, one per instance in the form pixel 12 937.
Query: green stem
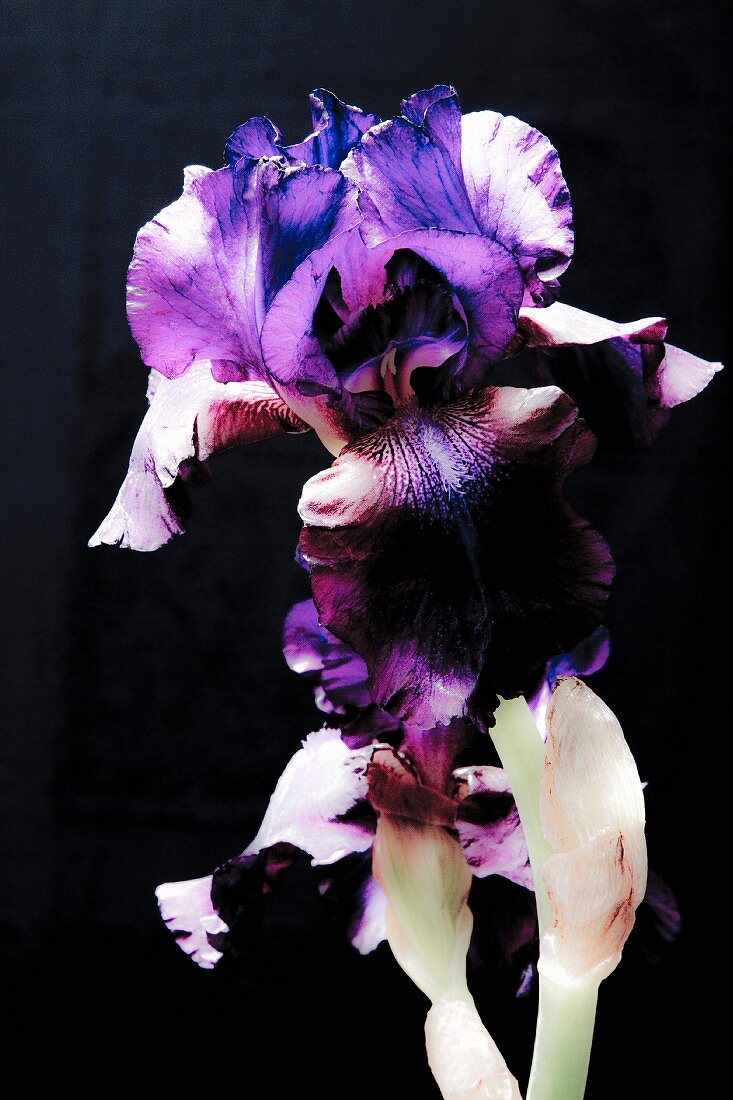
pixel 566 1013
pixel 522 754
pixel 563 1041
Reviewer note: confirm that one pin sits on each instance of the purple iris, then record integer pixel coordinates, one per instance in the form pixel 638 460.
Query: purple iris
pixel 369 282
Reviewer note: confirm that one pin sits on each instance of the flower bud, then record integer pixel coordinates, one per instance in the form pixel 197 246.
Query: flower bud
pixel 592 808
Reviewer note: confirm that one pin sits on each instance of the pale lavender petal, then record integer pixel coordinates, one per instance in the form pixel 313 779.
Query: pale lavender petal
pixel 560 325
pixel 187 909
pixel 488 826
pixel 190 418
pixel 443 601
pixel 682 376
pixel 518 194
pixel 322 782
pixel 339 674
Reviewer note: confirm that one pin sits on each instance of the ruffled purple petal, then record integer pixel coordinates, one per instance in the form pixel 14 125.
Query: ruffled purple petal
pixel 339 674
pixel 441 549
pixel 416 106
pixel 337 128
pixel 623 378
pixel 258 137
pixel 187 909
pixel 485 174
pixel 487 287
pixel 189 419
pixel 309 807
pixel 519 197
pixel 489 828
pixel 413 180
pixel 205 270
pixel 297 363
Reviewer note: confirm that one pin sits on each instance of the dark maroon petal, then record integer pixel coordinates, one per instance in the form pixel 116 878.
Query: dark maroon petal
pixel 340 675
pixel 623 378
pixel 337 128
pixel 190 419
pixel 441 549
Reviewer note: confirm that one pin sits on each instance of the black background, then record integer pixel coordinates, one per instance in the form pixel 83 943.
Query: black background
pixel 146 707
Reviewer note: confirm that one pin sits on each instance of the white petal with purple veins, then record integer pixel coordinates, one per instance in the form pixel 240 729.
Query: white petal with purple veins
pixel 190 418
pixel 322 782
pixel 187 910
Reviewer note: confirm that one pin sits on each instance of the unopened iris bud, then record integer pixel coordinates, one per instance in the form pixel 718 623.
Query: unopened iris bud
pixel 592 807
pixel 424 875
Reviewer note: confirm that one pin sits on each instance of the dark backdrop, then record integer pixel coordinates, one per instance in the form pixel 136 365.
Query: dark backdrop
pixel 146 707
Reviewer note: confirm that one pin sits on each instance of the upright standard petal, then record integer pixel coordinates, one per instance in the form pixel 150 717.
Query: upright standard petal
pixel 519 197
pixel 485 174
pixel 623 377
pixel 441 549
pixel 337 128
pixel 205 270
pixel 189 420
pixel 482 280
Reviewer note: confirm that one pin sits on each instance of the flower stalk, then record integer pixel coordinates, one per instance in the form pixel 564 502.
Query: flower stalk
pixel 581 805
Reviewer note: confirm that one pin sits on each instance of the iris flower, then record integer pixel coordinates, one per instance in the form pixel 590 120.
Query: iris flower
pixel 373 283
pixel 369 283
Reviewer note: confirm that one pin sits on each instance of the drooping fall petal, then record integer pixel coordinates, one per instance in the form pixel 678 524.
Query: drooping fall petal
pixel 623 377
pixel 187 910
pixel 189 419
pixel 441 549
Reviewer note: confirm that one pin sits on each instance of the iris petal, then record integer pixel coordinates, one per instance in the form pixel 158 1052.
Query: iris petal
pixel 623 377
pixel 340 674
pixel 489 828
pixel 205 269
pixel 189 419
pixel 442 551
